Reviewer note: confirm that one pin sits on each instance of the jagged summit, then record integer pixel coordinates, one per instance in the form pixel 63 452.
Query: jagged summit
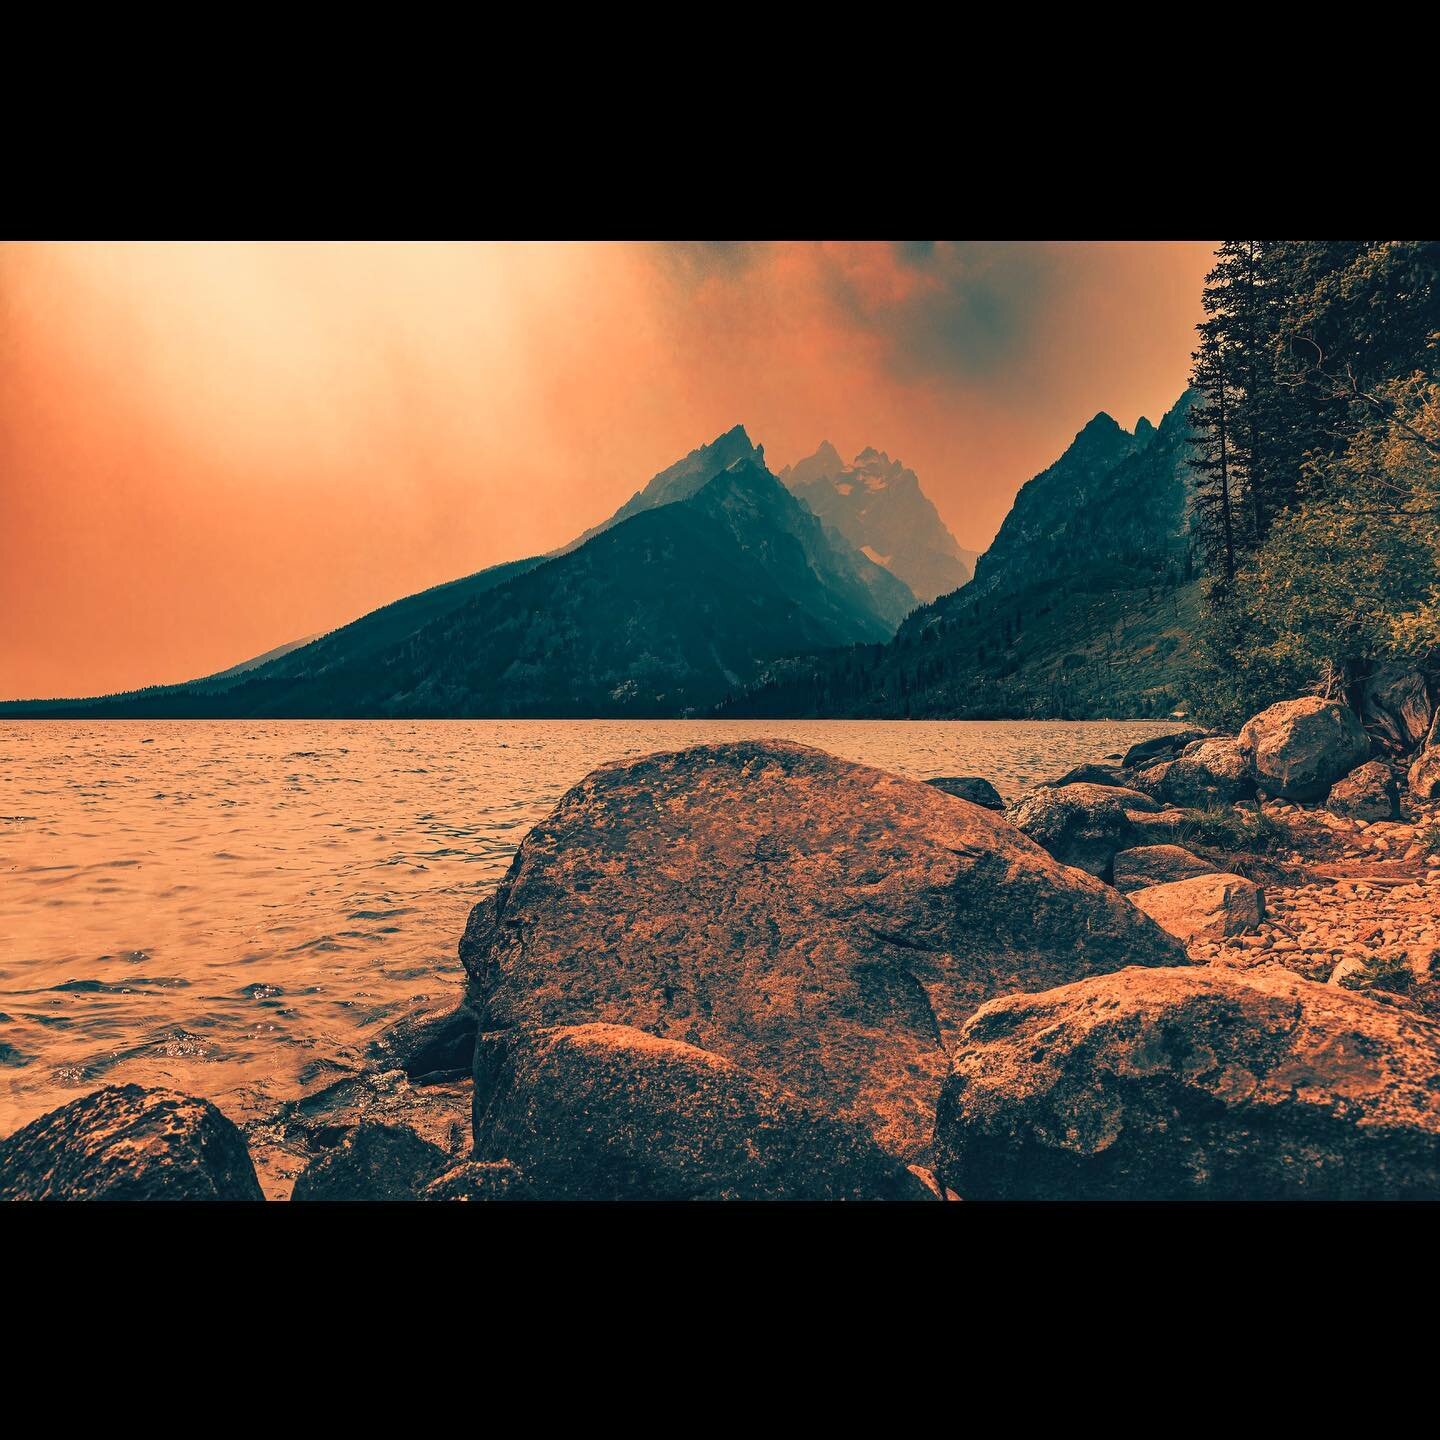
pixel 682 479
pixel 1112 498
pixel 1103 427
pixel 878 506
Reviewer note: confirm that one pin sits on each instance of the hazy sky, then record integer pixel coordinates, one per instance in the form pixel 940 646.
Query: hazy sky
pixel 209 449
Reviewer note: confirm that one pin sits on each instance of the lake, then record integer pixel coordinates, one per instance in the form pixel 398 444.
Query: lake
pixel 233 907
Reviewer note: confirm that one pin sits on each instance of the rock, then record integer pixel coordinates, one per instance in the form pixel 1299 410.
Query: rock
pixel 824 925
pixel 607 1112
pixel 1368 792
pixel 372 1162
pixel 1150 779
pixel 1299 748
pixel 971 788
pixel 1162 747
pixel 437 1110
pixel 1148 865
pixel 1424 774
pixel 1350 965
pixel 126 1142
pixel 1396 701
pixel 427 1044
pixel 1208 772
pixel 1200 1083
pixel 1158 828
pixel 477 1180
pixel 1128 798
pixel 1089 775
pixel 1080 825
pixel 1204 906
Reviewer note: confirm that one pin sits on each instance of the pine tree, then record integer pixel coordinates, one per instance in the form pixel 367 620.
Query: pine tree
pixel 1215 481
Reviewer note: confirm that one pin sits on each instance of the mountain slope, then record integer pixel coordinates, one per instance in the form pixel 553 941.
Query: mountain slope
pixel 665 612
pixel 296 665
pixel 1084 606
pixel 821 568
pixel 879 507
pixel 254 664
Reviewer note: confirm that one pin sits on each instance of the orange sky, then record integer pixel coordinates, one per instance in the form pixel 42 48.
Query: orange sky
pixel 209 449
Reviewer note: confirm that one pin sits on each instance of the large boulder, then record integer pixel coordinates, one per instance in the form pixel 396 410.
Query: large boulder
pixel 372 1162
pixel 1203 907
pixel 1192 1084
pixel 1299 748
pixel 1395 701
pixel 1208 772
pixel 607 1112
pixel 126 1142
pixel 1080 825
pixel 1368 792
pixel 1147 865
pixel 827 926
pixel 1162 747
pixel 973 788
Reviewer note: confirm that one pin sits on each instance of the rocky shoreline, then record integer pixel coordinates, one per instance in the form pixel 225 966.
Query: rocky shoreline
pixel 1204 969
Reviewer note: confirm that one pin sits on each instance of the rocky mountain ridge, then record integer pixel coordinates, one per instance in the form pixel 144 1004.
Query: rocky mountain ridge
pixel 877 504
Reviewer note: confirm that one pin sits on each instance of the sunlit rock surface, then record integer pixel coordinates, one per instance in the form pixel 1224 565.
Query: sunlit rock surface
pixel 129 1143
pixel 1192 1084
pixel 827 926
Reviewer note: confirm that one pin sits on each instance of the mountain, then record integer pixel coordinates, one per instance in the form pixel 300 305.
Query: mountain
pixel 664 611
pixel 1084 605
pixel 879 507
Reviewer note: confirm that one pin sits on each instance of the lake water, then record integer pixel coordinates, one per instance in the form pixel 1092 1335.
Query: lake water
pixel 232 908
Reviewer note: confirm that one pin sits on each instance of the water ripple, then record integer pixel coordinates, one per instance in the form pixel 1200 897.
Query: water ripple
pixel 231 908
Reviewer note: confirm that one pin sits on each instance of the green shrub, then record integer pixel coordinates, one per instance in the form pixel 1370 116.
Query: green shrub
pixel 1381 972
pixel 1222 827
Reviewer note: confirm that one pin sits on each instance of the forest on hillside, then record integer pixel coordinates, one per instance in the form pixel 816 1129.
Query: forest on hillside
pixel 1318 454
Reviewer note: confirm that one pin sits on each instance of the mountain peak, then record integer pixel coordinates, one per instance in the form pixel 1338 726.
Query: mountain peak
pixel 1144 430
pixel 1102 438
pixel 879 507
pixel 871 456
pixel 682 479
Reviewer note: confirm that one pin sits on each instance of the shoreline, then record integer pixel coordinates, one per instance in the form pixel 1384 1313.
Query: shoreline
pixel 1265 885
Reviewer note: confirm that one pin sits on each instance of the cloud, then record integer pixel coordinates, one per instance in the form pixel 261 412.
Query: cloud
pixel 948 309
pixel 927 310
